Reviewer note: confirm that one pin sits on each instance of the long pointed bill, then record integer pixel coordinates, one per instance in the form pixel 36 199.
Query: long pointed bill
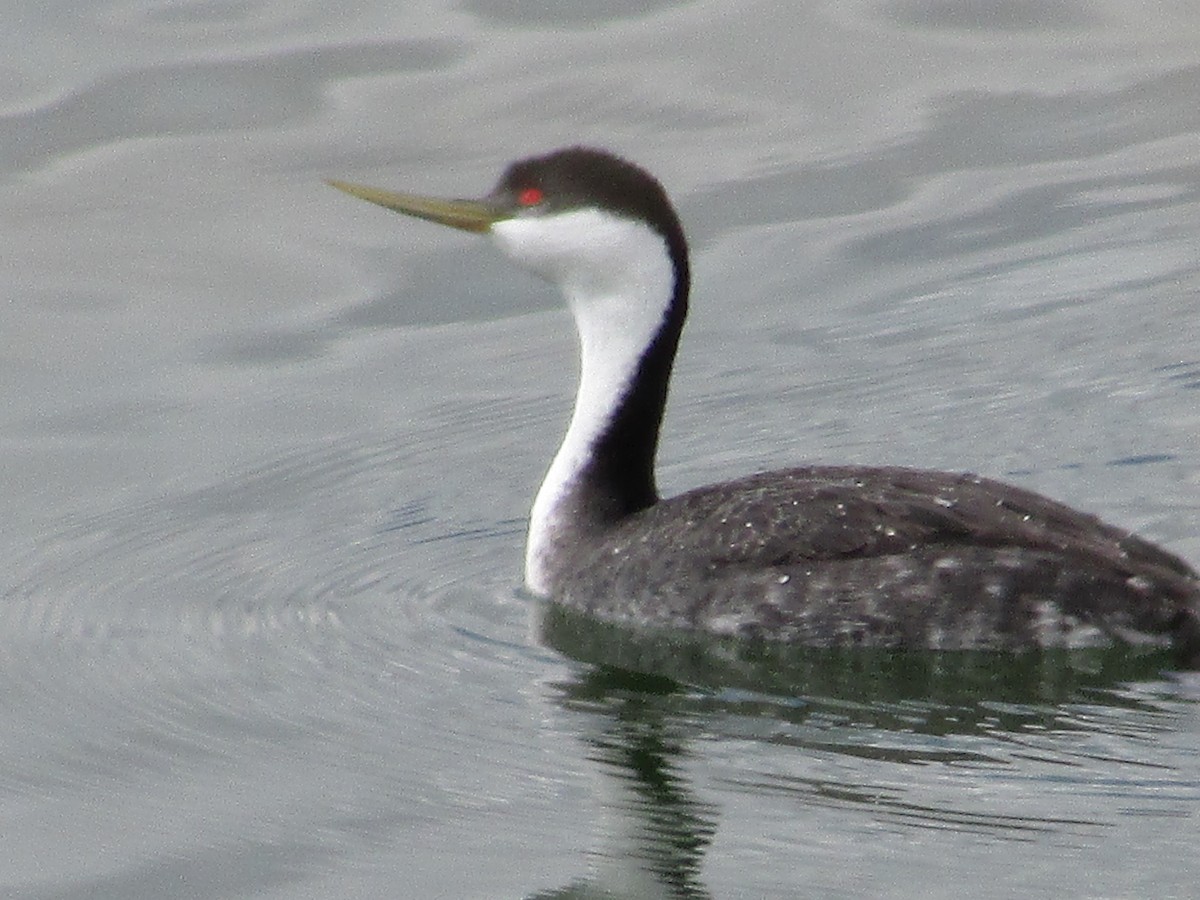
pixel 469 215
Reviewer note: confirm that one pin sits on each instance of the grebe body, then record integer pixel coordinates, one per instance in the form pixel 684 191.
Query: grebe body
pixel 818 555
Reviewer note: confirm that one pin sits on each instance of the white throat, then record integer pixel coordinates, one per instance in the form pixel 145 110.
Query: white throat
pixel 617 276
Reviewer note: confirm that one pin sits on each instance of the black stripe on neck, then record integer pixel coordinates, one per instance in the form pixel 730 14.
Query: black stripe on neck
pixel 618 480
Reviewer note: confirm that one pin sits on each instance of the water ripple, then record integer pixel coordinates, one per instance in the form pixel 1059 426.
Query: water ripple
pixel 274 623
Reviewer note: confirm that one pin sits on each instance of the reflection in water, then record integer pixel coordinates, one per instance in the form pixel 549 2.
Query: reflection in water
pixel 656 831
pixel 878 678
pixel 994 715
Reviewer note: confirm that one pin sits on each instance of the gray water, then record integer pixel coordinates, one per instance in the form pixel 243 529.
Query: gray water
pixel 267 452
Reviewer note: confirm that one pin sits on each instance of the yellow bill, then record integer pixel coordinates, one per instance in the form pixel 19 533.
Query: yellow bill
pixel 468 215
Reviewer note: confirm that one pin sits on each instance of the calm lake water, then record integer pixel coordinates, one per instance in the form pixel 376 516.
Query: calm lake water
pixel 267 452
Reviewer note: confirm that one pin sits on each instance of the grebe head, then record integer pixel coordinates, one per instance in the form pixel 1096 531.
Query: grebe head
pixel 582 218
pixel 603 230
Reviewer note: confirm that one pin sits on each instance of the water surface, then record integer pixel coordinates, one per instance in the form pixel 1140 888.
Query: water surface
pixel 267 453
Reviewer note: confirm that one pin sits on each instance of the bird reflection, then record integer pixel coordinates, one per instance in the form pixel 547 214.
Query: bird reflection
pixel 643 696
pixel 654 830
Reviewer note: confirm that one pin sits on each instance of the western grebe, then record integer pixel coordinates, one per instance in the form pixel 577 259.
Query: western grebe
pixel 819 555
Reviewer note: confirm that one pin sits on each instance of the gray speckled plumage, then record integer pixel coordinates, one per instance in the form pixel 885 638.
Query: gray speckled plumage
pixel 892 557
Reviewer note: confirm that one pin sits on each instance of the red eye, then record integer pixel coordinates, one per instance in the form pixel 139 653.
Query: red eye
pixel 530 196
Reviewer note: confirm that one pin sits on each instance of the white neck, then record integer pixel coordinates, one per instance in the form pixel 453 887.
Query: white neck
pixel 618 279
